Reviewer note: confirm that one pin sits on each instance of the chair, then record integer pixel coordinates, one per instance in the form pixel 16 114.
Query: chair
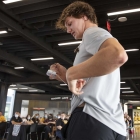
pixel 2 128
pixel 42 135
pixel 6 129
pixel 42 131
pixel 33 129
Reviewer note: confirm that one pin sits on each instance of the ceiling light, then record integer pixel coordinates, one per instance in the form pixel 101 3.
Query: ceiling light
pixel 13 85
pixel 18 67
pixel 33 90
pixel 129 50
pixel 63 84
pixel 13 88
pixel 125 88
pixel 122 19
pixel 134 101
pixel 10 1
pixel 123 12
pixel 127 91
pixel 69 43
pixel 3 32
pixel 9 29
pixel 23 88
pixel 122 82
pixel 36 59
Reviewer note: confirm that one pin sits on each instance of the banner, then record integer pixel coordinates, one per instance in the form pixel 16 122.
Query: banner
pixel 136 116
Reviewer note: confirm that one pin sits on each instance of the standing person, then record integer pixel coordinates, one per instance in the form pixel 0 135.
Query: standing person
pixel 94 79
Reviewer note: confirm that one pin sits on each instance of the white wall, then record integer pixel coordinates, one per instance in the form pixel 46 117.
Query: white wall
pixel 10 104
pixel 125 109
pixel 24 112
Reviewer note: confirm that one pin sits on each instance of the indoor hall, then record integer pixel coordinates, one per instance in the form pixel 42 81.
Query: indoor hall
pixel 30 44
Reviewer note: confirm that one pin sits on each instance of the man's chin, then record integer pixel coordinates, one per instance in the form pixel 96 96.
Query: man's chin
pixel 76 38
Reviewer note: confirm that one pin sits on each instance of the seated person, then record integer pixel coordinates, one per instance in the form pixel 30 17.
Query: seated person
pixel 60 124
pixel 50 123
pixel 43 119
pixel 29 120
pixel 2 118
pixel 16 119
pixel 36 118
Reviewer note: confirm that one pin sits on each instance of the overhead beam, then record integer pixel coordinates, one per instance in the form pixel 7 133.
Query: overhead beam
pixel 42 12
pixel 10 33
pixel 129 94
pixel 130 98
pixel 3 76
pixel 49 33
pixel 12 71
pixel 23 3
pixel 31 79
pixel 133 86
pixel 9 13
pixel 60 38
pixel 39 6
pixel 21 62
pixel 125 73
pixel 50 89
pixel 43 18
pixel 32 38
pixel 46 28
pixel 46 93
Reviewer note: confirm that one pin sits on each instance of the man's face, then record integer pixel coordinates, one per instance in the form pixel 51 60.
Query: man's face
pixel 63 116
pixel 75 26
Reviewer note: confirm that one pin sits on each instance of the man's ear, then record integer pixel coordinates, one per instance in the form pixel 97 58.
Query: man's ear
pixel 85 18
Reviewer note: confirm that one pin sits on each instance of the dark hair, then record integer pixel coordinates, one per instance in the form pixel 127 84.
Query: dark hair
pixel 76 9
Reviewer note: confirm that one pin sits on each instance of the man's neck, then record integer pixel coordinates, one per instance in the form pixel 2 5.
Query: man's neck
pixel 90 24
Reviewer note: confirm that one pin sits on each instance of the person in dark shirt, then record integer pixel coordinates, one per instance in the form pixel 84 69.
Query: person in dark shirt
pixel 36 118
pixel 16 119
pixel 60 124
pixel 29 120
pixel 50 123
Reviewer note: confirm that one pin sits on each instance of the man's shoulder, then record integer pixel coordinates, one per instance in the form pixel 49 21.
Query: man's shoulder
pixel 95 30
pixel 59 120
pixel 13 118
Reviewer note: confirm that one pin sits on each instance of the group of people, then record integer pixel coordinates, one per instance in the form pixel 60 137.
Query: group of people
pixel 52 127
pixel 129 124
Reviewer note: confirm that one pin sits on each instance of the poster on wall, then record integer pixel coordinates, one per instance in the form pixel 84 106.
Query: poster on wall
pixel 136 116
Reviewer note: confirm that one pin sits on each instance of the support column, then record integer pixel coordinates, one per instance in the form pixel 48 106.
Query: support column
pixel 3 96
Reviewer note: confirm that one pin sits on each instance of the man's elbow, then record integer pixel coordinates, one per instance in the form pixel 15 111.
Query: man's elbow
pixel 122 57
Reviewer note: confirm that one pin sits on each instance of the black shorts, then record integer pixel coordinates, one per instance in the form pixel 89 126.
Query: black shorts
pixel 84 127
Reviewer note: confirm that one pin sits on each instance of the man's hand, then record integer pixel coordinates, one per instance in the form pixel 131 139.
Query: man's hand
pixel 60 71
pixel 59 127
pixel 75 86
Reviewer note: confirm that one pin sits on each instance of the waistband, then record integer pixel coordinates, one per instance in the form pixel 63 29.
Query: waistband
pixel 78 109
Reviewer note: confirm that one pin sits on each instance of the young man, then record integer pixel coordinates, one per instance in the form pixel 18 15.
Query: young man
pixel 16 119
pixel 60 124
pixel 94 79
